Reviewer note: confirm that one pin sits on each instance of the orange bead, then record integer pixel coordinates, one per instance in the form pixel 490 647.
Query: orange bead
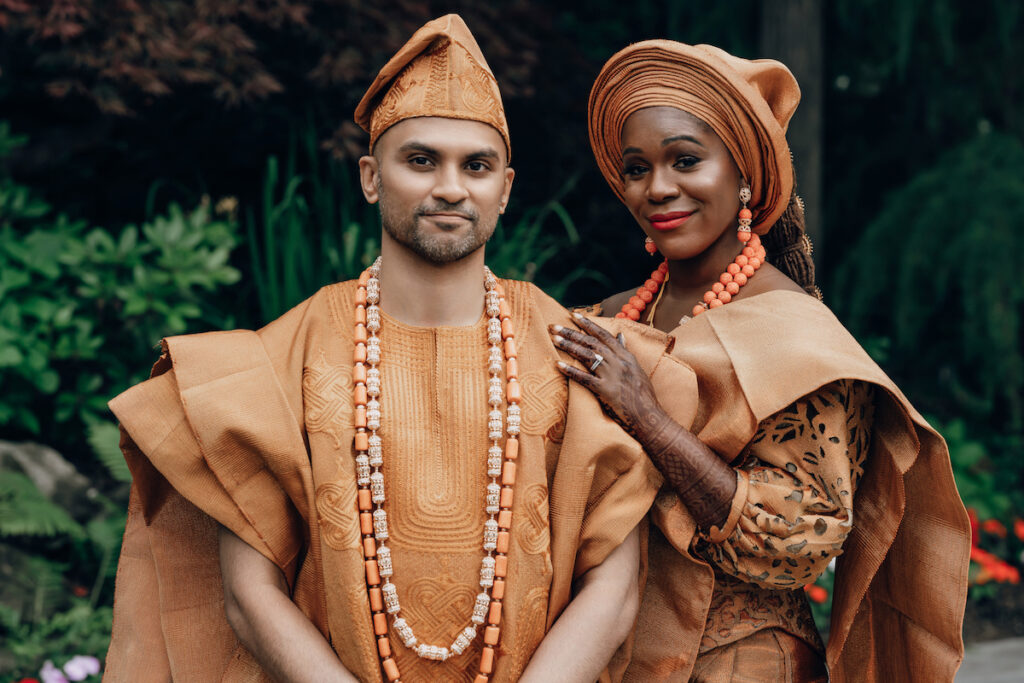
pixel 480 678
pixel 487 660
pixel 504 311
pixel 697 310
pixel 637 303
pixel 512 368
pixel 652 286
pixel 506 329
pixel 743 235
pixel 505 519
pixel 745 214
pixel 748 252
pixel 717 287
pixel 663 268
pixel 733 287
pixel 364 278
pixel 359 335
pixel 360 396
pixel 756 262
pixel 376 599
pixel 491 634
pixel 658 277
pixel 365 499
pixel 620 314
pixel 504 539
pixel 359 318
pixel 360 419
pixel 508 473
pixel 501 566
pixel 494 613
pixel 512 448
pixel 384 647
pixel 360 296
pixel 507 496
pixel 369 547
pixel 373 577
pixel 750 269
pixel 716 303
pixel 709 296
pixel 365 523
pixel 725 278
pixel 359 374
pixel 510 348
pixel 725 297
pixel 515 393
pixel 755 240
pixel 498 589
pixel 740 279
pixel 732 269
pixel 361 441
pixel 741 260
pixel 359 353
pixel 644 295
pixel 633 314
pixel 390 669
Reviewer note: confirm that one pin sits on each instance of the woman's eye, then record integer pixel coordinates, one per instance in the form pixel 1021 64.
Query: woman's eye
pixel 686 161
pixel 634 171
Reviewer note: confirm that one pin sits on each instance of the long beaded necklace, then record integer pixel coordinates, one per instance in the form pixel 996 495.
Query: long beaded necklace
pixel 501 470
pixel 739 272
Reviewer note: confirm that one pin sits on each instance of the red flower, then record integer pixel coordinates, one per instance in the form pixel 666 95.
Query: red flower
pixel 1018 528
pixel 975 525
pixel 816 593
pixel 29 680
pixel 80 591
pixel 994 526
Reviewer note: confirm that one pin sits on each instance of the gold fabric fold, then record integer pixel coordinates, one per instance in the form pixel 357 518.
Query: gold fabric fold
pixel 901 583
pixel 747 103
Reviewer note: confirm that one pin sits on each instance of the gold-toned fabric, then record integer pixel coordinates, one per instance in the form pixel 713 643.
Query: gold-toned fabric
pixel 769 655
pixel 901 581
pixel 747 103
pixel 802 469
pixel 254 430
pixel 441 72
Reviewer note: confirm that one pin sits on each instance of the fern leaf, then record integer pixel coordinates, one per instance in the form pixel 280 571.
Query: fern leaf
pixel 24 511
pixel 105 438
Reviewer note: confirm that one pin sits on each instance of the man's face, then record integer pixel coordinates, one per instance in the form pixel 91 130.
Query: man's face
pixel 441 184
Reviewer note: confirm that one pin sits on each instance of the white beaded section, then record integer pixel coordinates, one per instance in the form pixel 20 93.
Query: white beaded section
pixel 483 601
pixel 493 498
pixel 376 451
pixel 487 572
pixel 390 597
pixel 490 534
pixel 380 524
pixel 377 487
pixel 494 454
pixel 384 561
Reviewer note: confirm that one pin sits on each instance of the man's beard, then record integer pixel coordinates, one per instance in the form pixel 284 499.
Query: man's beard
pixel 438 248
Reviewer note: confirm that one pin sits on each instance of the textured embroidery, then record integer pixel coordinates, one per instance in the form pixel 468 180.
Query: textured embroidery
pixel 336 509
pixel 531 522
pixel 529 632
pixel 803 467
pixel 437 607
pixel 545 399
pixel 327 393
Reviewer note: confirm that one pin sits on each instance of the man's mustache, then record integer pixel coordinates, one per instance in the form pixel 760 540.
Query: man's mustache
pixel 453 209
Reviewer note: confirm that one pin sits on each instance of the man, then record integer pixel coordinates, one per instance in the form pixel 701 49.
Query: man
pixel 395 485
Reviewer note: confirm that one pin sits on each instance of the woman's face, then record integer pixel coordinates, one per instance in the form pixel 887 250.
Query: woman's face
pixel 680 182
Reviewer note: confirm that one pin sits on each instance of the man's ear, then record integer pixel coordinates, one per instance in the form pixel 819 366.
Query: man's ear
pixel 510 175
pixel 369 177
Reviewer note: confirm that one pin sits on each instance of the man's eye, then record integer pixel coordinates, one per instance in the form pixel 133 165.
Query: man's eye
pixel 419 161
pixel 476 166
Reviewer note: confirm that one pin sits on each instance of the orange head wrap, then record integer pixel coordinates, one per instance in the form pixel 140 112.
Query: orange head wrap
pixel 441 72
pixel 747 103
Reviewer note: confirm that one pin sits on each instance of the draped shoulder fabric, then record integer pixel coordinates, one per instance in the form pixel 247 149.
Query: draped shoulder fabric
pixel 901 581
pixel 253 431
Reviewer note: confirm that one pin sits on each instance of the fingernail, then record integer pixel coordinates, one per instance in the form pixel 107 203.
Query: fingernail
pixel 556 328
pixel 558 339
pixel 577 316
pixel 561 364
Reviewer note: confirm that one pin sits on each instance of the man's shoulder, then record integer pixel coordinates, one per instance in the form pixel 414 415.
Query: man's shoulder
pixel 531 300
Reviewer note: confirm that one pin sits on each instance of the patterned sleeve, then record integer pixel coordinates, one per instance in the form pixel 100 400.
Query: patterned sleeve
pixel 794 504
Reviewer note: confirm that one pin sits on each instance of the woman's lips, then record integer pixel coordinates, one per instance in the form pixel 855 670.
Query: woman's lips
pixel 669 221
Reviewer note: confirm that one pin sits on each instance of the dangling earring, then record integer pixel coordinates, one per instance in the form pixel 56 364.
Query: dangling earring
pixel 743 230
pixel 649 245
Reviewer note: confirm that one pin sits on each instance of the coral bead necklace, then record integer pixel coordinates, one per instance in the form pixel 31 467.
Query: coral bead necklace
pixel 739 272
pixel 498 495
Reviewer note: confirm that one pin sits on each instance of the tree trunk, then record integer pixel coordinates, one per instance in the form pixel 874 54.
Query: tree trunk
pixel 792 32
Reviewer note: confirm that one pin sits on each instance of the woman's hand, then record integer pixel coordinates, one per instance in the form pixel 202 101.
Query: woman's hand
pixel 614 376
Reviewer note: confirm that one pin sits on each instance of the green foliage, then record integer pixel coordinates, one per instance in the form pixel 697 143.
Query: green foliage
pixel 977 478
pixel 24 511
pixel 80 629
pixel 936 272
pixel 81 307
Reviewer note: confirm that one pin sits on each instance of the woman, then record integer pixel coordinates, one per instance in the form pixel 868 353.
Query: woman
pixel 802 450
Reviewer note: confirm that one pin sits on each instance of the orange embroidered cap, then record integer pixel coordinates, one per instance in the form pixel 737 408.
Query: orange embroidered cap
pixel 441 72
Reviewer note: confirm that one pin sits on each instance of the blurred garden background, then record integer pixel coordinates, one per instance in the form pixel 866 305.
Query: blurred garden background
pixel 171 166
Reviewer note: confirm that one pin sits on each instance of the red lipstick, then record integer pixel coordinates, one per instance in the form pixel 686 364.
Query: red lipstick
pixel 669 221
